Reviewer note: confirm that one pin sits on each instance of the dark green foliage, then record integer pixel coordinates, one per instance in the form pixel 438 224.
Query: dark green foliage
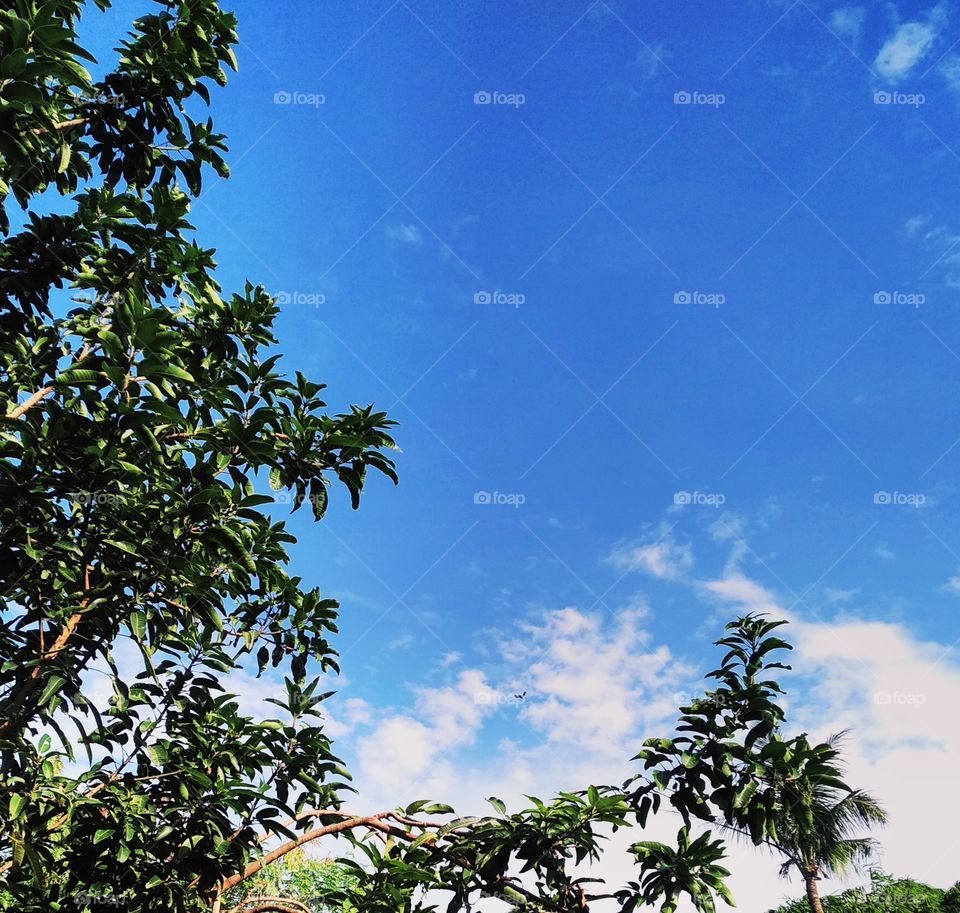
pixel 138 551
pixel 885 895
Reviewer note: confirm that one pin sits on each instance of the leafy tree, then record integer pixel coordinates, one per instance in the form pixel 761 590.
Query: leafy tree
pixel 147 438
pixel 734 766
pixel 818 814
pixel 142 415
pixel 884 895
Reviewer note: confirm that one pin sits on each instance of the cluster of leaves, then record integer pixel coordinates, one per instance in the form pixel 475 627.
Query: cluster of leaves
pixel 58 127
pixel 886 895
pixel 528 859
pixel 730 740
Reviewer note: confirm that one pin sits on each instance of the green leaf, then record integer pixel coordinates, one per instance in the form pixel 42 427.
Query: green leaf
pixel 17 804
pixel 53 684
pixel 138 625
pixel 318 499
pixel 80 376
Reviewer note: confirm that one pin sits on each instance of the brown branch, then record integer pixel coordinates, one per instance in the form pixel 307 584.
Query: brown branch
pixel 44 392
pixel 61 125
pixel 374 823
pixel 371 821
pixel 30 685
pixel 336 813
pixel 313 813
pixel 268 904
pixel 41 394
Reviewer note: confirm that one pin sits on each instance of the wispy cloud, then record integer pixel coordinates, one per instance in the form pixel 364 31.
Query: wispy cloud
pixel 836 594
pixel 665 560
pixel 949 69
pixel 405 234
pixel 941 238
pixel 847 22
pixel 626 689
pixel 914 225
pixel 909 44
pixel 952 586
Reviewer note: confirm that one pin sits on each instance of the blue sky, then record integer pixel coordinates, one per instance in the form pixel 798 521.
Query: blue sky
pixel 701 398
pixel 750 298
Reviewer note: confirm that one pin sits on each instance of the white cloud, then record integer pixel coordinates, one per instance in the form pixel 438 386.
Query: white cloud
pixel 593 688
pixel 913 225
pixel 836 594
pixel 899 695
pixel 665 559
pixel 952 586
pixel 847 21
pixel 351 713
pixel 405 234
pixel 909 44
pixel 649 60
pixel 413 751
pixel 572 701
pixel 881 551
pixel 939 237
pixel 950 71
pixel 746 594
pixel 557 523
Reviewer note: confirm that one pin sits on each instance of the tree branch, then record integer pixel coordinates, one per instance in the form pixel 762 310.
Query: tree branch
pixel 41 394
pixel 30 685
pixel 62 125
pixel 373 822
pixel 270 905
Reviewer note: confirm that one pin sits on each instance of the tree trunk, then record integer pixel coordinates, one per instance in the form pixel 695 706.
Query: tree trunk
pixel 813 892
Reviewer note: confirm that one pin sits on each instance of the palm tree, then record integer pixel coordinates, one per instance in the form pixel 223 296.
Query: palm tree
pixel 819 816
